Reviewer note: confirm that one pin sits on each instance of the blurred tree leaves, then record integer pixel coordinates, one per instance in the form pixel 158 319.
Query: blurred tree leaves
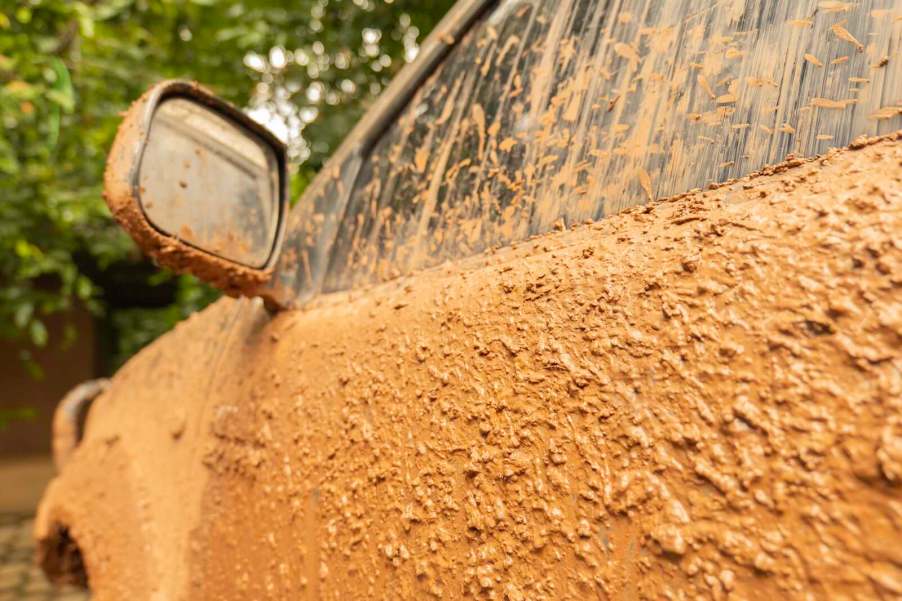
pixel 69 68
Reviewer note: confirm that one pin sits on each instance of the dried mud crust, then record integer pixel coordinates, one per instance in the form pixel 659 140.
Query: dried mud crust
pixel 701 398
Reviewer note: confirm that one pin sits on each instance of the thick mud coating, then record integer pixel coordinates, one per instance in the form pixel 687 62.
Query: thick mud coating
pixel 701 398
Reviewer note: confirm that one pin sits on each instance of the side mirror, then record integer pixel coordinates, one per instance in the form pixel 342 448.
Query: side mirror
pixel 200 187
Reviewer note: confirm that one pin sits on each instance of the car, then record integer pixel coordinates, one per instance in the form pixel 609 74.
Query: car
pixel 599 300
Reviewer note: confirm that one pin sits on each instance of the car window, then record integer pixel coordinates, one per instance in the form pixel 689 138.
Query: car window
pixel 553 112
pixel 311 230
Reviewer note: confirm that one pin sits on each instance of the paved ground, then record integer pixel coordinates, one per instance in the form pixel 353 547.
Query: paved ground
pixel 21 483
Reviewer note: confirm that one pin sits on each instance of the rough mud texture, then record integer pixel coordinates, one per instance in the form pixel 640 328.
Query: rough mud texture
pixel 701 398
pixel 230 277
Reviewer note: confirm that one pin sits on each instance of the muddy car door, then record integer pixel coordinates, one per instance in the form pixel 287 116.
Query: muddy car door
pixel 602 413
pixel 694 400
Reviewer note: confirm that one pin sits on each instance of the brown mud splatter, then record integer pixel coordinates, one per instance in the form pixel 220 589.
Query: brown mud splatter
pixel 699 398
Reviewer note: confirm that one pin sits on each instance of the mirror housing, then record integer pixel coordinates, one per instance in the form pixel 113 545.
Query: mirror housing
pixel 211 171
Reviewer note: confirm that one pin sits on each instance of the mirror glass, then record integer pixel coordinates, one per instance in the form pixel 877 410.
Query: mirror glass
pixel 210 182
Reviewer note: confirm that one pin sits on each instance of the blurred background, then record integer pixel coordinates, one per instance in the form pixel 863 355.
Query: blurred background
pixel 77 299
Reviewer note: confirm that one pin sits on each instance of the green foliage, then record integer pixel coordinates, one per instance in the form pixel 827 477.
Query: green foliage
pixel 9 416
pixel 69 68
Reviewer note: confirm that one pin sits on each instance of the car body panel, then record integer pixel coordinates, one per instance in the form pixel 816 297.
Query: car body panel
pixel 700 397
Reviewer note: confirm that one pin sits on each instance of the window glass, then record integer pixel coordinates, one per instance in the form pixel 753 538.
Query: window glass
pixel 311 230
pixel 560 111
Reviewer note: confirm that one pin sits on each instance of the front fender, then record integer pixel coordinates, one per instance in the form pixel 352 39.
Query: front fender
pixel 91 527
pixel 118 515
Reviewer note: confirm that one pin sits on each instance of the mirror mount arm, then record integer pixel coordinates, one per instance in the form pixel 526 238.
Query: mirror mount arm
pixel 276 297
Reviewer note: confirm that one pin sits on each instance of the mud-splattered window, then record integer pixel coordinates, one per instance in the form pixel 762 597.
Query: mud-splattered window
pixel 311 230
pixel 569 110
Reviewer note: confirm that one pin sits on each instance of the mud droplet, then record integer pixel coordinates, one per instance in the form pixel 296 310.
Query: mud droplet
pixel 728 579
pixel 813 60
pixel 670 538
pixel 886 578
pixel 843 34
